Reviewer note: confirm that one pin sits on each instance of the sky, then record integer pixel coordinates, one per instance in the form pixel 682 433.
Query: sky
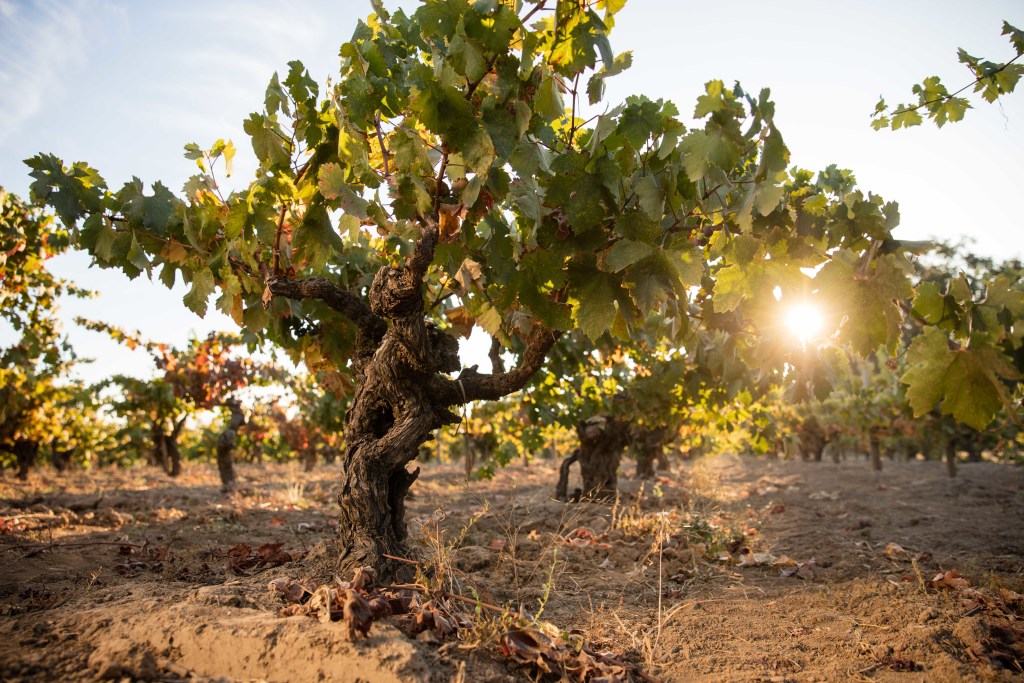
pixel 125 85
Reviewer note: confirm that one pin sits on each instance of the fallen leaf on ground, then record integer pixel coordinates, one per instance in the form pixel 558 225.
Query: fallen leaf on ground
pixel 292 590
pixel 802 570
pixel 949 579
pixel 583 537
pixel 750 559
pixel 895 550
pixel 357 613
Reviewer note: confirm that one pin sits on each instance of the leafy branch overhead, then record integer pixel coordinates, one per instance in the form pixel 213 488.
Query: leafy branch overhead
pixel 466 113
pixel 934 101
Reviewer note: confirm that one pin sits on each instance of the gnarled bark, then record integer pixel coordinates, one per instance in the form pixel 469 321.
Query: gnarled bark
pixel 61 458
pixel 602 440
pixel 25 452
pixel 308 457
pixel 165 452
pixel 875 450
pixel 562 487
pixel 157 455
pixel 649 445
pixel 811 440
pixel 171 450
pixel 403 393
pixel 226 446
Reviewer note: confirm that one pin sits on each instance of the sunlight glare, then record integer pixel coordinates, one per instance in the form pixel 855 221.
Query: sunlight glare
pixel 804 321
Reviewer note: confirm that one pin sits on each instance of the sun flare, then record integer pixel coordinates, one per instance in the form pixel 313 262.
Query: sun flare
pixel 804 321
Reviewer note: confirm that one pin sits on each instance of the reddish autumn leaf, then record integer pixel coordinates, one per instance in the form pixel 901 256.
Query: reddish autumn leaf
pixel 271 554
pixel 239 551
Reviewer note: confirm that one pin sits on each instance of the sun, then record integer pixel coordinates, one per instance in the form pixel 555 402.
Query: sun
pixel 804 321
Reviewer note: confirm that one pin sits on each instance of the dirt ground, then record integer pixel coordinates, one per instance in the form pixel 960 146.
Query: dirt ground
pixel 726 569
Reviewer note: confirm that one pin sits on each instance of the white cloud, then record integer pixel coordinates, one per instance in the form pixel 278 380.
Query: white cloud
pixel 38 43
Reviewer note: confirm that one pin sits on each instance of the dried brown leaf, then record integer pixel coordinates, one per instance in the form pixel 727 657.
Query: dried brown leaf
pixel 292 590
pixel 357 613
pixel 364 577
pixel 529 646
pixel 272 554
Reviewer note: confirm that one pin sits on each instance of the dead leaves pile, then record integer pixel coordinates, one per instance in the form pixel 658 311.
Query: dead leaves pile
pixel 241 560
pixel 361 602
pixel 998 640
pixel 566 655
pixel 1003 602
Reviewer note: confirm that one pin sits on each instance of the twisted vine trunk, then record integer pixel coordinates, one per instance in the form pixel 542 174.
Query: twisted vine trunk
pixel 875 450
pixel 649 445
pixel 165 451
pixel 308 457
pixel 811 441
pixel 403 393
pixel 25 452
pixel 602 440
pixel 157 455
pixel 951 458
pixel 226 446
pixel 173 453
pixel 61 458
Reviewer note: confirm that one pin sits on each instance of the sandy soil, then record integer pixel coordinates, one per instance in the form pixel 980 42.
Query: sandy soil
pixel 726 569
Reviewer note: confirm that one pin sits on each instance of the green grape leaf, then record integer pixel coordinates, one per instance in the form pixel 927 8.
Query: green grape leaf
pixel 198 295
pixel 650 198
pixel 267 140
pixel 731 288
pixel 625 253
pixel 315 239
pixel 152 212
pixel 965 381
pixel 333 187
pixel 703 150
pixel 866 298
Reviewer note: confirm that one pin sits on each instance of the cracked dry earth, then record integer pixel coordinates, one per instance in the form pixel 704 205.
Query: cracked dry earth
pixel 725 569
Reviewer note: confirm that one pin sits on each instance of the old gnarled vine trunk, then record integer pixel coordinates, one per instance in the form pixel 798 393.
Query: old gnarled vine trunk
pixel 165 452
pixel 602 440
pixel 226 446
pixel 649 445
pixel 811 440
pixel 403 393
pixel 25 452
